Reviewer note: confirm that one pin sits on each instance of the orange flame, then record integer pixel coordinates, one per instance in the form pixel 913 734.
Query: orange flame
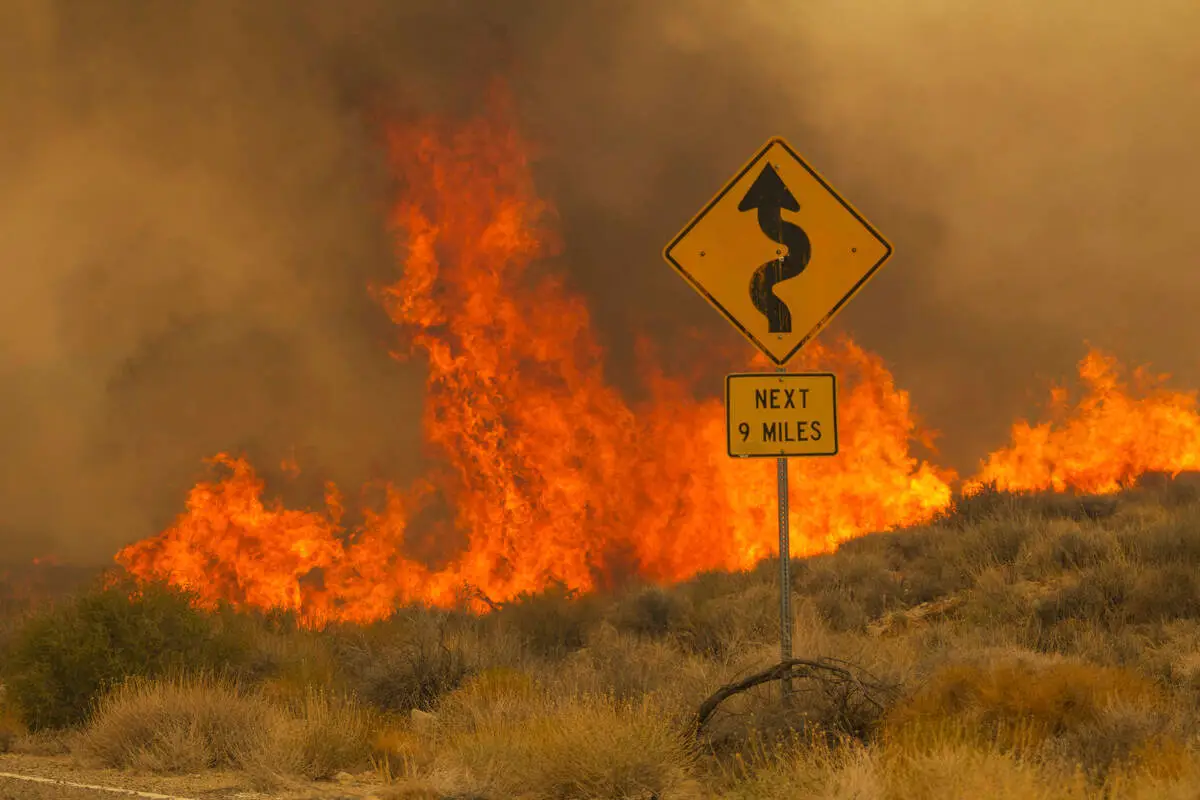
pixel 551 472
pixel 1113 435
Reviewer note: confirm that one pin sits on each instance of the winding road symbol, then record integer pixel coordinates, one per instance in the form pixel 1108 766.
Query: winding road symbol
pixel 769 196
pixel 756 268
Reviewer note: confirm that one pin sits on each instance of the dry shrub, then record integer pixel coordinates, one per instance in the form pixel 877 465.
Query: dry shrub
pixel 1121 734
pixel 991 504
pixel 548 624
pixel 995 542
pixel 652 611
pixel 996 600
pixel 496 696
pixel 1002 692
pixel 929 579
pixel 986 503
pixel 951 770
pixel 293 659
pixel 1164 489
pixel 497 684
pixel 402 754
pixel 629 667
pixel 851 587
pixel 578 748
pixel 323 735
pixel 183 725
pixel 1169 592
pixel 1166 538
pixel 706 586
pixel 407 663
pixel 957 770
pixel 1117 593
pixel 1113 645
pixel 1173 656
pixel 46 743
pixel 177 725
pixel 727 623
pixel 1066 545
pixel 1094 596
pixel 823 705
pixel 963 769
pixel 788 768
pixel 957 766
pixel 1089 715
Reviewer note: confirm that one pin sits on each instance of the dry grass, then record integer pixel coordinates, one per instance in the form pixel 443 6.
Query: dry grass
pixel 187 724
pixel 178 725
pixel 1046 647
pixel 1096 718
pixel 955 766
pixel 503 735
pixel 584 747
pixel 322 734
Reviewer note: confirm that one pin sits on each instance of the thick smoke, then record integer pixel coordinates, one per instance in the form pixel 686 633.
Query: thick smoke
pixel 193 205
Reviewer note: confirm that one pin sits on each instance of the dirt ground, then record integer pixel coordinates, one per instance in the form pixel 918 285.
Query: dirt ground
pixel 94 784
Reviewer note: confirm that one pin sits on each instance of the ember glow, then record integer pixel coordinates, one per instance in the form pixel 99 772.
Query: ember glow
pixel 552 473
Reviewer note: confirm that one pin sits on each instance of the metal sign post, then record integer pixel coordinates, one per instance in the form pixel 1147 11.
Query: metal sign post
pixel 785 571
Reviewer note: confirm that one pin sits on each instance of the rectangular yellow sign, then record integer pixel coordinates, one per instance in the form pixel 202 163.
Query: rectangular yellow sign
pixel 773 415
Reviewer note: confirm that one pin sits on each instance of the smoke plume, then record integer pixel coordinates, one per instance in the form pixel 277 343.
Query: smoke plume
pixel 194 201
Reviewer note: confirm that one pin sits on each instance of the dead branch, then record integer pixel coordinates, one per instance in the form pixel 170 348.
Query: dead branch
pixel 478 594
pixel 833 673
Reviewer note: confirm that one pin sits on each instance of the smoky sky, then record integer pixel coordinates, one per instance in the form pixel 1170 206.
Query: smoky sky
pixel 193 201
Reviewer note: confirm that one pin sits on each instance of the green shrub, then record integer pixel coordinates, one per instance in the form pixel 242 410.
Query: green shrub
pixel 62 658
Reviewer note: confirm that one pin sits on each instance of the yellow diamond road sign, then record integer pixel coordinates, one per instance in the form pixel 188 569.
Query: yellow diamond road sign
pixel 781 414
pixel 778 252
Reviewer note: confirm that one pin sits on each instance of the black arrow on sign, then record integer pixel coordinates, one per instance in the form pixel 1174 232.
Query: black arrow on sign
pixel 770 196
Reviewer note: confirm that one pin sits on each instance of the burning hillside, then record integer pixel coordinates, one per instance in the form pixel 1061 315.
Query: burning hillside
pixel 552 473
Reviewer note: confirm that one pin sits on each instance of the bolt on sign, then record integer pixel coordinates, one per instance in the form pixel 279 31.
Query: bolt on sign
pixel 779 279
pixel 780 415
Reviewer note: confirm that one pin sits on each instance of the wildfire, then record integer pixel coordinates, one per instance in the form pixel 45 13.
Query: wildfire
pixel 552 474
pixel 1114 434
